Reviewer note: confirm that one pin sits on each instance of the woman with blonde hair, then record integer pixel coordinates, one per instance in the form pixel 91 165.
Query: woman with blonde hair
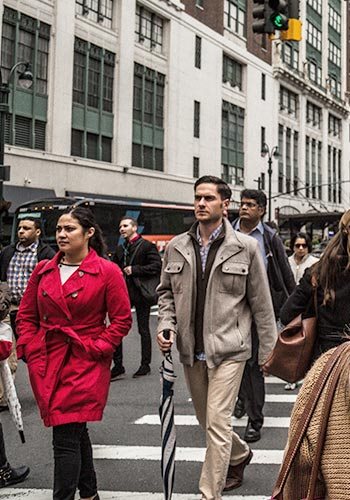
pixel 332 276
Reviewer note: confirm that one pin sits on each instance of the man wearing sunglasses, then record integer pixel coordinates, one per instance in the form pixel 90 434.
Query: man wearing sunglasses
pixel 251 396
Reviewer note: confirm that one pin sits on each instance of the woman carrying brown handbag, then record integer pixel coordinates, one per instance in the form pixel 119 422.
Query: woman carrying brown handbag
pixel 332 275
pixel 329 453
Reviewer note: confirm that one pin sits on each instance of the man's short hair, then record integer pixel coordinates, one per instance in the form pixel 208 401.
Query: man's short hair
pixel 222 187
pixel 37 222
pixel 132 219
pixel 255 194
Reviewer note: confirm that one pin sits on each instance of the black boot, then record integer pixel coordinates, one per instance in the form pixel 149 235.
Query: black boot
pixel 9 476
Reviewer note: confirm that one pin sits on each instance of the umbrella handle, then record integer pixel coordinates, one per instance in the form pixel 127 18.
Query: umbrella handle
pixel 166 334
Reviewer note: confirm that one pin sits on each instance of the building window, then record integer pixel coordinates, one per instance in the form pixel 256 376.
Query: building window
pixel 149 29
pixel 196 118
pixel 263 86
pixel 334 126
pixel 92 117
pixel 235 16
pixel 334 85
pixel 262 137
pixel 195 167
pixel 313 115
pixel 314 36
pixel 288 160
pixel 313 171
pixel 148 118
pixel 314 71
pixel 290 54
pixel 288 101
pixel 296 163
pixel 334 175
pixel 99 11
pixel 26 39
pixel 334 18
pixel 280 158
pixel 307 166
pixel 198 52
pixel 232 143
pixel 232 72
pixel 316 5
pixel 334 53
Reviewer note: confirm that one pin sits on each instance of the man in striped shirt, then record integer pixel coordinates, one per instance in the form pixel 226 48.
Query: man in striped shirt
pixel 17 262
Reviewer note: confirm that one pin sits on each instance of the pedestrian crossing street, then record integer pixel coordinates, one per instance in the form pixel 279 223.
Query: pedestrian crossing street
pixel 267 453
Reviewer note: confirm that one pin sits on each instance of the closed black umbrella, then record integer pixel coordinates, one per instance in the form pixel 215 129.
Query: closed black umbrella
pixel 168 431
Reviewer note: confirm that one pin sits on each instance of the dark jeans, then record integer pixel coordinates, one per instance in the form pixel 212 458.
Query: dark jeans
pixel 74 466
pixel 252 390
pixel 142 315
pixel 3 458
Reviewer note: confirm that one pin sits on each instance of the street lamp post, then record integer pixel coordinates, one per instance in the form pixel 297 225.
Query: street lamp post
pixel 272 153
pixel 25 79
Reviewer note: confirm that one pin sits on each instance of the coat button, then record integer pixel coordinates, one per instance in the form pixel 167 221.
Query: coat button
pixel 45 317
pixel 68 341
pixel 243 270
pixel 74 295
pixel 81 274
pixel 44 293
pixel 226 268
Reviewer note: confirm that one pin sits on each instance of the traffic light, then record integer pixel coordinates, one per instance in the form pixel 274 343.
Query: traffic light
pixel 262 12
pixel 279 14
pixel 294 31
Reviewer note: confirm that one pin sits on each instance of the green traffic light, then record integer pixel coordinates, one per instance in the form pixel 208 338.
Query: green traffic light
pixel 279 21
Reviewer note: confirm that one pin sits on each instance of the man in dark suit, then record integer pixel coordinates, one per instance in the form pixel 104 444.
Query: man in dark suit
pixel 251 397
pixel 139 260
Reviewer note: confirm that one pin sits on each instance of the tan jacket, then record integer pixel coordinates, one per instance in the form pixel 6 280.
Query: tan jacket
pixel 237 291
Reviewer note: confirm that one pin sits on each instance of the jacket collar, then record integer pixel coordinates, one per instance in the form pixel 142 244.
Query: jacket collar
pixel 231 245
pixel 89 265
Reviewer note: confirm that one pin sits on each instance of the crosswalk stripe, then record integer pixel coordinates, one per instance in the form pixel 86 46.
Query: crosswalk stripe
pixel 280 398
pixel 183 454
pixel 277 422
pixel 41 494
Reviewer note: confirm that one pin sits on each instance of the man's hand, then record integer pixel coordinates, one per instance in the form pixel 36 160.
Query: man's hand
pixel 164 344
pixel 128 270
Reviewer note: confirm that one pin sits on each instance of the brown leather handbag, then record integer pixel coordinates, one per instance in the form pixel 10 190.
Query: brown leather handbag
pixel 292 355
pixel 338 360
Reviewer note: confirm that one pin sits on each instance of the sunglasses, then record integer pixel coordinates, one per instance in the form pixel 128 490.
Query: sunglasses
pixel 300 245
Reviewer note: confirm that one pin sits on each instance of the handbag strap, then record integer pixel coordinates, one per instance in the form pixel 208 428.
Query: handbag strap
pixel 305 419
pixel 326 408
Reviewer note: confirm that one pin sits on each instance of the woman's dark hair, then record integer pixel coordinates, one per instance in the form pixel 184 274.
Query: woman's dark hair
pixel 86 219
pixel 331 264
pixel 301 236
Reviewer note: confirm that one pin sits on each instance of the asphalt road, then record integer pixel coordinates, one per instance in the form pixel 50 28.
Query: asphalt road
pixel 126 442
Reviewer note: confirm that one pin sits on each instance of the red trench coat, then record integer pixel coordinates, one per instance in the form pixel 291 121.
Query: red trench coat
pixel 64 338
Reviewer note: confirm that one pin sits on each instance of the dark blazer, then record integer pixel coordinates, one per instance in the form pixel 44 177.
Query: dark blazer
pixel 279 272
pixel 145 262
pixel 44 251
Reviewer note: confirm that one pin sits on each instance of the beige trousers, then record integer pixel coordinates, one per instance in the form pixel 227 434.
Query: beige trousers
pixel 214 391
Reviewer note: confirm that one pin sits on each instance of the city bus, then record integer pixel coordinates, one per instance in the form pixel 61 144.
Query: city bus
pixel 157 222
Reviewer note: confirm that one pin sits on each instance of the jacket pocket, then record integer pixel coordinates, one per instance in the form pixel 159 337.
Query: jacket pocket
pixel 233 278
pixel 174 270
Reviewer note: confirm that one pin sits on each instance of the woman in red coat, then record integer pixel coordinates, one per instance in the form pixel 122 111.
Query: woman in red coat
pixel 68 347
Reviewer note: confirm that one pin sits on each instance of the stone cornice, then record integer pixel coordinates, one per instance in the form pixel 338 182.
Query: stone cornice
pixel 177 4
pixel 319 93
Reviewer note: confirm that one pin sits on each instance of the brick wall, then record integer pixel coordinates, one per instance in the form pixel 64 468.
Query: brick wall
pixel 212 13
pixel 255 43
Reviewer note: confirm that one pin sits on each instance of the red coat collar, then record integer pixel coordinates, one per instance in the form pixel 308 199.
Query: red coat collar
pixel 89 265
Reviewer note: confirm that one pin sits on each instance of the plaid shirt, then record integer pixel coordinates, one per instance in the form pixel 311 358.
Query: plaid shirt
pixel 20 269
pixel 204 250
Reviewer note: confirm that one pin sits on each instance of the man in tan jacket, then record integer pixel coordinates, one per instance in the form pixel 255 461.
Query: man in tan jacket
pixel 213 284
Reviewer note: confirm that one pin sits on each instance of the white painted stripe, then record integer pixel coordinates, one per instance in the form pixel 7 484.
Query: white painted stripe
pixel 276 422
pixel 183 454
pixel 280 398
pixel 38 494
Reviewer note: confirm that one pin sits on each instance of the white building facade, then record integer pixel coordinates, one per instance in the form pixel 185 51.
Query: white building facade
pixel 139 98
